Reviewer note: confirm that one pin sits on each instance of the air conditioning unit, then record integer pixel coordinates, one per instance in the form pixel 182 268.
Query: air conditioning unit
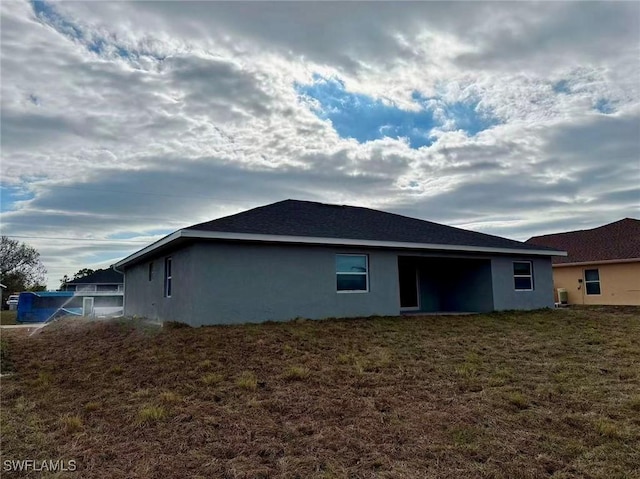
pixel 563 296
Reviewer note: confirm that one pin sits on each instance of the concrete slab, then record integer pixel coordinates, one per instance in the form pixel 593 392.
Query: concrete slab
pixel 20 326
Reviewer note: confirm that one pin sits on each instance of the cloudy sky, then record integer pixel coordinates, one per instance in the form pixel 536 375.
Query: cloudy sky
pixel 122 122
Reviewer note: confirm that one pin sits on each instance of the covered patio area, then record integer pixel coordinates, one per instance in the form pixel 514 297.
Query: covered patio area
pixel 444 285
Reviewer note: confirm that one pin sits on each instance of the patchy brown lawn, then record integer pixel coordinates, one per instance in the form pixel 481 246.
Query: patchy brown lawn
pixel 8 317
pixel 527 395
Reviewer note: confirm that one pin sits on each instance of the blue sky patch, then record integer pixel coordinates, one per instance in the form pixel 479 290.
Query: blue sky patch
pixel 103 46
pixel 48 14
pixel 364 118
pixel 467 115
pixel 604 106
pixel 10 195
pixel 562 86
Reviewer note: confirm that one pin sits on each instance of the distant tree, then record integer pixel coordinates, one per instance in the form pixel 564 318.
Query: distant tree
pixel 63 282
pixel 83 272
pixel 20 267
pixel 80 274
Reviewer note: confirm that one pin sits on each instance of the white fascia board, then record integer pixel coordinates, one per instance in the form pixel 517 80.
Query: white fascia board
pixel 221 235
pixel 148 249
pixel 359 242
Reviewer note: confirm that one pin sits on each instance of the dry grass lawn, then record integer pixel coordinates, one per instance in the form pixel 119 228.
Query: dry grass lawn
pixel 8 317
pixel 508 395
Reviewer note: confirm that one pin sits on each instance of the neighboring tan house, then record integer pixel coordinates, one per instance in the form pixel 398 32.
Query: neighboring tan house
pixel 602 266
pixel 313 260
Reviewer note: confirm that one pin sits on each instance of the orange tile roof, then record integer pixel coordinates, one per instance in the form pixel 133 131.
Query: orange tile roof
pixel 618 240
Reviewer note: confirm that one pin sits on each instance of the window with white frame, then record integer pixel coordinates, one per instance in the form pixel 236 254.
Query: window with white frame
pixel 167 277
pixel 523 275
pixel 352 273
pixel 592 281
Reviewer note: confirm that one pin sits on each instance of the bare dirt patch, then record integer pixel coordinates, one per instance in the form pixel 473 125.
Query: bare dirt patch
pixel 539 394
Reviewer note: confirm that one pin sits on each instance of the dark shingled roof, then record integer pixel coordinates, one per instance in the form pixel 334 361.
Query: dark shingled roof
pixel 101 276
pixel 306 218
pixel 618 240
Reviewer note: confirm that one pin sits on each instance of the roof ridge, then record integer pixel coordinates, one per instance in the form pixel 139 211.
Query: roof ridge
pixel 438 224
pixel 307 221
pixel 373 214
pixel 412 218
pixel 100 273
pixel 626 219
pixel 234 214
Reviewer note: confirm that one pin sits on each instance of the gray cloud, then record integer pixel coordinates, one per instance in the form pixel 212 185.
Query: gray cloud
pixel 20 128
pixel 600 138
pixel 337 33
pixel 588 174
pixel 351 35
pixel 553 34
pixel 209 123
pixel 217 88
pixel 169 194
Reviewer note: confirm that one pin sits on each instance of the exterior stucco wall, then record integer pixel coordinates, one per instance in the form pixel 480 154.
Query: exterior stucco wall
pixel 146 298
pixel 474 288
pixel 505 295
pixel 619 283
pixel 254 283
pixel 227 283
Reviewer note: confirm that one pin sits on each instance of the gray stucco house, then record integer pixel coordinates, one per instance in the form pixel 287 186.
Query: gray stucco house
pixel 102 280
pixel 313 260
